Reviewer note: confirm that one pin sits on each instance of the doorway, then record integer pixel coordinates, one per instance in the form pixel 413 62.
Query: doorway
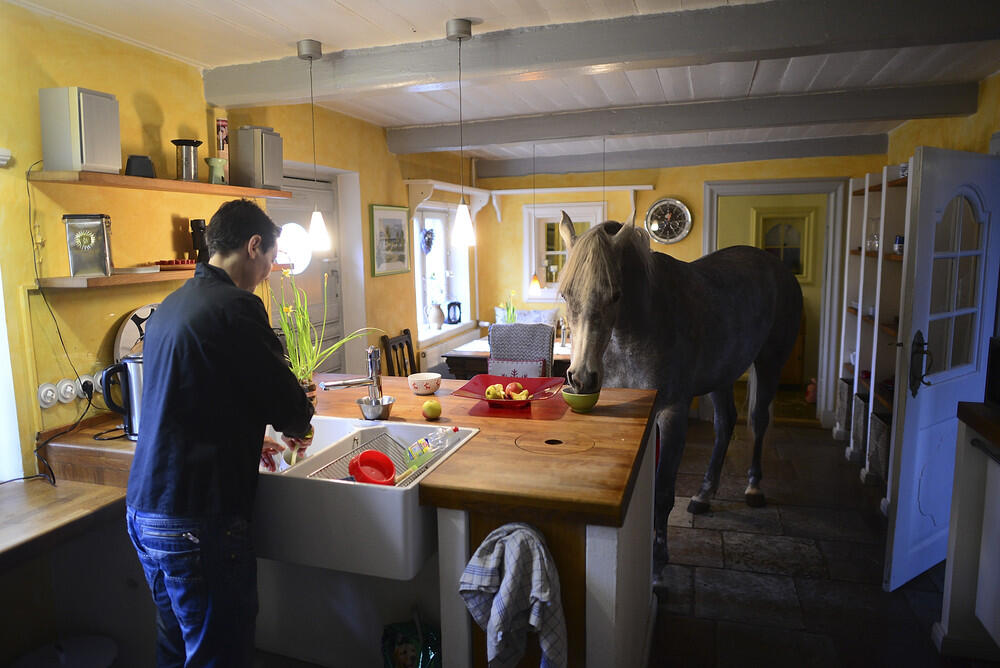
pixel 826 264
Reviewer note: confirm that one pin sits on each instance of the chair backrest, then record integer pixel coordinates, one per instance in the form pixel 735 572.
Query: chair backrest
pixel 398 354
pixel 522 342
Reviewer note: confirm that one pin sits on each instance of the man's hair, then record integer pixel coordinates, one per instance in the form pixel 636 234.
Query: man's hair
pixel 235 222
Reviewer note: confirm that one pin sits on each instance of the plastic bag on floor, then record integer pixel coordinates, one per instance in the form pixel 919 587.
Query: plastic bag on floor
pixel 411 645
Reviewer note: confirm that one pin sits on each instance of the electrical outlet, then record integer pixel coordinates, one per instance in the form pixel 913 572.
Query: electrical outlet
pixel 47 395
pixel 78 386
pixel 66 390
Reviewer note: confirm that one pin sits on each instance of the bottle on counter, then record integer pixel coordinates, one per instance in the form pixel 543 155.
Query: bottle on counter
pixel 437 441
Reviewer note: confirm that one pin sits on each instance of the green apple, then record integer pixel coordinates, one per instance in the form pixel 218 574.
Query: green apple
pixel 431 409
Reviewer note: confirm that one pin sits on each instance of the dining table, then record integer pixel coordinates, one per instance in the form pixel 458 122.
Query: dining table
pixel 472 358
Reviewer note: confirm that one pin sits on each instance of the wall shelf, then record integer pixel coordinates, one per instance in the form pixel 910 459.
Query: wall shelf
pixel 162 185
pixel 78 282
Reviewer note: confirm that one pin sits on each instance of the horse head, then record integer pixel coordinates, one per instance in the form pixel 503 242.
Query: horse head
pixel 591 283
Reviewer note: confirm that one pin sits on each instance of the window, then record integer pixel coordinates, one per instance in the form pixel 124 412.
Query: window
pixel 544 252
pixel 441 272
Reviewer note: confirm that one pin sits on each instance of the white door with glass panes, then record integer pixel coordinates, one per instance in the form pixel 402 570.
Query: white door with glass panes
pixel 441 271
pixel 951 266
pixel 315 272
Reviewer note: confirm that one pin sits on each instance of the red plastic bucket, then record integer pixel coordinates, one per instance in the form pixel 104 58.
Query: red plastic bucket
pixel 373 467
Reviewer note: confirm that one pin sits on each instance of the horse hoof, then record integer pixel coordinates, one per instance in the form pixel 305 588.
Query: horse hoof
pixel 696 507
pixel 755 500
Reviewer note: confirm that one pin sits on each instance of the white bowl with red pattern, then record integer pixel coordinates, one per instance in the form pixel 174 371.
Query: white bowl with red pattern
pixel 424 383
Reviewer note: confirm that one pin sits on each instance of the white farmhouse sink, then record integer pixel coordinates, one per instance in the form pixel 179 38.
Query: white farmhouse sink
pixel 343 525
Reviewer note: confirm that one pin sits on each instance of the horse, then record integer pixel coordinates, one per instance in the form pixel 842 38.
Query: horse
pixel 643 319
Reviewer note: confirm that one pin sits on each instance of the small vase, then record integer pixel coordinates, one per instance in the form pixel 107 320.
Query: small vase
pixel 309 387
pixel 435 316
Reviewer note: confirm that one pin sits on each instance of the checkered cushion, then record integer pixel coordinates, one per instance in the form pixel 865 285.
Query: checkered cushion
pixel 523 342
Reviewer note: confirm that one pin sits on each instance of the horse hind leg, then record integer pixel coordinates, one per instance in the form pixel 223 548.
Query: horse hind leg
pixel 763 388
pixel 725 421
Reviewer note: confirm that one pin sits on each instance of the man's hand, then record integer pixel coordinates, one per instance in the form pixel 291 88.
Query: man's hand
pixel 298 445
pixel 269 452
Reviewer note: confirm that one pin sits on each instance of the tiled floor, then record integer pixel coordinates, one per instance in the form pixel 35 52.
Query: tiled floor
pixel 795 583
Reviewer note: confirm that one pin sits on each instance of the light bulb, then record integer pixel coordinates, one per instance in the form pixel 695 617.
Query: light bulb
pixel 463 236
pixel 318 233
pixel 535 287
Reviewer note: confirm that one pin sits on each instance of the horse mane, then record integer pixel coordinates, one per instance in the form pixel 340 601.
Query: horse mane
pixel 594 264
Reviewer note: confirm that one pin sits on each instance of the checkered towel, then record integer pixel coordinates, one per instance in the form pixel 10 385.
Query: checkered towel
pixel 509 585
pixel 521 341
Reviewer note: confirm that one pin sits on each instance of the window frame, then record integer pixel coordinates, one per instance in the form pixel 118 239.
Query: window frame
pixel 594 213
pixel 426 335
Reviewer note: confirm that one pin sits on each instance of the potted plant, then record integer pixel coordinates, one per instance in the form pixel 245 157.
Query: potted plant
pixel 303 342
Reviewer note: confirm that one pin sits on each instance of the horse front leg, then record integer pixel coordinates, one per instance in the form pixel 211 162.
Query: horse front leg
pixel 725 421
pixel 671 424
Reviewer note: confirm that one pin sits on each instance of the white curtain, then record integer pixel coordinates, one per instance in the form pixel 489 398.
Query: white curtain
pixel 10 451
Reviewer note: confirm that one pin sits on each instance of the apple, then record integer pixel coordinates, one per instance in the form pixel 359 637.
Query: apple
pixel 431 409
pixel 513 388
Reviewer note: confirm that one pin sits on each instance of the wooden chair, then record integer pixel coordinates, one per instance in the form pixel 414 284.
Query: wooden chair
pixel 398 354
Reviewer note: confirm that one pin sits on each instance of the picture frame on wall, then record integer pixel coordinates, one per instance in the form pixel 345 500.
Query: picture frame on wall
pixel 390 239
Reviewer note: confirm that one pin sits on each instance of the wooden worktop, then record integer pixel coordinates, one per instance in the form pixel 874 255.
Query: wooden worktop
pixel 586 476
pixel 35 515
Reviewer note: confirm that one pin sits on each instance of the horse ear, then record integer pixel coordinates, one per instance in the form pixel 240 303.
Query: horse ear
pixel 631 220
pixel 567 231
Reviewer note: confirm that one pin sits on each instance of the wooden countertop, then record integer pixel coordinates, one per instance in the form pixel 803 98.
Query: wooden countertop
pixel 564 465
pixel 546 459
pixel 985 419
pixel 34 515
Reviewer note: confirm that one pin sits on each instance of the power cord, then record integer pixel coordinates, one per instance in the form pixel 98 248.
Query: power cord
pixel 87 386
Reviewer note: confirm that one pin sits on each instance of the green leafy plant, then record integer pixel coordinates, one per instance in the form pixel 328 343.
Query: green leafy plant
pixel 302 340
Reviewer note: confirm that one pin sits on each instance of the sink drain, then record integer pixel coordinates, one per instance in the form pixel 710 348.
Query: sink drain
pixel 553 446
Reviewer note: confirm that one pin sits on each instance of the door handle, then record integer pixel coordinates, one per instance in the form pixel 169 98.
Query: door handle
pixel 918 376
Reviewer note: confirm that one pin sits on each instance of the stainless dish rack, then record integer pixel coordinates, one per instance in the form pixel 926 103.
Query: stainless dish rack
pixel 384 443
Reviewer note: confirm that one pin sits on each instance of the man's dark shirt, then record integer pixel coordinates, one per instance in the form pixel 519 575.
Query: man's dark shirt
pixel 213 377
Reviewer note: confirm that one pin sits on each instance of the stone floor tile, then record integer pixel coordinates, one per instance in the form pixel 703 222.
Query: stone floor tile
pixel 751 598
pixel 836 607
pixel 738 516
pixel 687 485
pixel 827 524
pixel 682 642
pixel 742 645
pixel 675 590
pixel 779 555
pixel 679 516
pixel 694 547
pixel 856 562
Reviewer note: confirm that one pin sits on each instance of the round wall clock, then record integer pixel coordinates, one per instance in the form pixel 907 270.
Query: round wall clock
pixel 668 220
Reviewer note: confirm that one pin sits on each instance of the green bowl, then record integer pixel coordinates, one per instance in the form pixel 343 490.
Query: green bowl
pixel 580 403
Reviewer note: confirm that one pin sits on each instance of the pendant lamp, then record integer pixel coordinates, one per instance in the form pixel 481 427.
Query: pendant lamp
pixel 535 285
pixel 463 235
pixel 310 49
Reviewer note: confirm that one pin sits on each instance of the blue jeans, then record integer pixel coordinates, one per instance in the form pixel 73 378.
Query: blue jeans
pixel 202 573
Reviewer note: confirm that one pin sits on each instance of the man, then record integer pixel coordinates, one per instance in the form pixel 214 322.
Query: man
pixel 214 377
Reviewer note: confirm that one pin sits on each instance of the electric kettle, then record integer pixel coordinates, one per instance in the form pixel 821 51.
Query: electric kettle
pixel 128 374
pixel 454 313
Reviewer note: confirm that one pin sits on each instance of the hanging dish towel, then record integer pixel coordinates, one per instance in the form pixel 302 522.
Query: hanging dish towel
pixel 510 585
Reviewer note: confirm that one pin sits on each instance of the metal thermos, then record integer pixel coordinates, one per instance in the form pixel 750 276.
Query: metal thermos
pixel 198 239
pixel 187 158
pixel 128 374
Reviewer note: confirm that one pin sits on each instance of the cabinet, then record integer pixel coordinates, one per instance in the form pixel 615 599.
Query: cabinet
pixel 872 294
pixel 915 333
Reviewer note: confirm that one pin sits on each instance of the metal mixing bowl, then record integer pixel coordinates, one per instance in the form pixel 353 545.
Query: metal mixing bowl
pixel 378 410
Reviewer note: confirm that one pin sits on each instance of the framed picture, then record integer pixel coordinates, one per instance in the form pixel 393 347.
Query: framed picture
pixel 390 239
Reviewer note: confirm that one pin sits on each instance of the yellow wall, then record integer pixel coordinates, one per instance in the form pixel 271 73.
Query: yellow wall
pixel 964 133
pixel 501 256
pixel 159 99
pixel 735 222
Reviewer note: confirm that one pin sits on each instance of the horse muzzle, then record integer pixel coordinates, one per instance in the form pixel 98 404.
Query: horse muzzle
pixel 583 381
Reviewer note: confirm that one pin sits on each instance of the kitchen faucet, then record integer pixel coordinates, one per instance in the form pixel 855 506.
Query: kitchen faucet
pixel 373 381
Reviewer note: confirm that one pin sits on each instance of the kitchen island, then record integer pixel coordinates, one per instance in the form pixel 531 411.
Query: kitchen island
pixel 584 481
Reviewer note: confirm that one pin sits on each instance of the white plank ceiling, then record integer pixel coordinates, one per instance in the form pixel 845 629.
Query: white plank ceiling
pixel 386 62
